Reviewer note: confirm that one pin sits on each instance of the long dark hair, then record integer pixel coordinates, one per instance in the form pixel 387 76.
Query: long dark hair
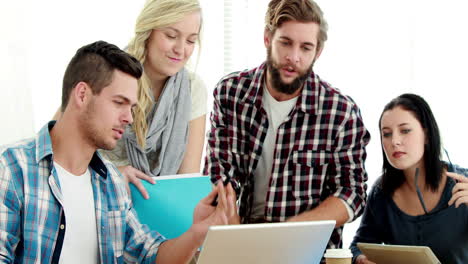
pixel 393 178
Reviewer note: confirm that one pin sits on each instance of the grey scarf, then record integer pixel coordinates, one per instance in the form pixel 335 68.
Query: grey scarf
pixel 167 134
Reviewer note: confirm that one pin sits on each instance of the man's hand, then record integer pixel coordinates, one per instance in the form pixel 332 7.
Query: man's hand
pixel 135 176
pixel 233 217
pixel 362 259
pixel 182 249
pixel 460 190
pixel 206 215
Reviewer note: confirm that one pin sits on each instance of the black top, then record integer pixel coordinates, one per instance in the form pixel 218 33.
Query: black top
pixel 444 229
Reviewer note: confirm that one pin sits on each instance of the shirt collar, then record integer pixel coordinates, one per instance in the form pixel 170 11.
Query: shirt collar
pixel 44 150
pixel 254 92
pixel 44 143
pixel 98 165
pixel 308 100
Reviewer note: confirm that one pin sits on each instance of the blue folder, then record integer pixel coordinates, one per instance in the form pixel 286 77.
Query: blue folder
pixel 169 210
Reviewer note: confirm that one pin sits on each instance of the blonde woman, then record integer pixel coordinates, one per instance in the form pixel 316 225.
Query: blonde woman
pixel 167 134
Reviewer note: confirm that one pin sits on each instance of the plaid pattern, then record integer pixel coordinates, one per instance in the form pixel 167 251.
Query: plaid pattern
pixel 320 148
pixel 31 213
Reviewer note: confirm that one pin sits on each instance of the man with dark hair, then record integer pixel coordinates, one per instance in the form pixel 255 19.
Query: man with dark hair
pixel 95 64
pixel 60 202
pixel 295 144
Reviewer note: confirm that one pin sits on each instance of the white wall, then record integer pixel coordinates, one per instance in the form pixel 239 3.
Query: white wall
pixel 38 40
pixel 376 51
pixel 15 99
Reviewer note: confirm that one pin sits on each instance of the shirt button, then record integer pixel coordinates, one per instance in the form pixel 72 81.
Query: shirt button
pixel 273 182
pixel 62 227
pixel 269 211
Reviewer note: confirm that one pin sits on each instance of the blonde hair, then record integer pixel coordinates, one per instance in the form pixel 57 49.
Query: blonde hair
pixel 155 14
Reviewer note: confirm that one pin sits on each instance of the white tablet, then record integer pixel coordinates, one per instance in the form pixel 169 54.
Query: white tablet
pixel 390 254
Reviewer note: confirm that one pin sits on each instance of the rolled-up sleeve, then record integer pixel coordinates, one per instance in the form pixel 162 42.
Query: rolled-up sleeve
pixel 219 161
pixel 349 178
pixel 142 244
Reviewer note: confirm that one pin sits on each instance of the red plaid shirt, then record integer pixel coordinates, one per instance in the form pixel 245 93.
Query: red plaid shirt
pixel 320 148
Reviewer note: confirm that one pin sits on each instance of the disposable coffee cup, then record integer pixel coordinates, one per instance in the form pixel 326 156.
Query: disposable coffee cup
pixel 338 256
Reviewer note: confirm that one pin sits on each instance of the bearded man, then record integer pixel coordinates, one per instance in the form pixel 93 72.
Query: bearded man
pixel 295 144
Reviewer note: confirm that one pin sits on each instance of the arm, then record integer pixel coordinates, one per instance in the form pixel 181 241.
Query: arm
pixel 345 175
pixel 460 190
pixel 145 246
pixel 331 208
pixel 194 150
pixel 10 212
pixel 370 229
pixel 178 250
pixel 220 161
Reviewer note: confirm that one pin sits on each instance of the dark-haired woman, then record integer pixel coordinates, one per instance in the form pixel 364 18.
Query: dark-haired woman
pixel 419 199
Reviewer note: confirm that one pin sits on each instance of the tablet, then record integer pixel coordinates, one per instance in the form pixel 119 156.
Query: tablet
pixel 390 254
pixel 273 243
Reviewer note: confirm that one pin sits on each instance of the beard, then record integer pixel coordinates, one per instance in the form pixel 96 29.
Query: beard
pixel 276 81
pixel 91 131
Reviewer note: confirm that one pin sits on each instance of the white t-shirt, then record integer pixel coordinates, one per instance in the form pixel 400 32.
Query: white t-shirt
pixel 80 244
pixel 277 112
pixel 199 95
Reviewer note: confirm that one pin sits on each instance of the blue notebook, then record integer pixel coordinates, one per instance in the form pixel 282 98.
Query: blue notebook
pixel 169 210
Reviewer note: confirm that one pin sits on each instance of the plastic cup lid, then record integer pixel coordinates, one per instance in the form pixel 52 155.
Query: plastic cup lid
pixel 338 253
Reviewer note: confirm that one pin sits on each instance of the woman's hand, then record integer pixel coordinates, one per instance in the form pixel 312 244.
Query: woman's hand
pixel 362 259
pixel 135 176
pixel 460 190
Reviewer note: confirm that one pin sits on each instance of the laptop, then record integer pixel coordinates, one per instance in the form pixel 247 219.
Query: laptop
pixel 293 243
pixel 389 254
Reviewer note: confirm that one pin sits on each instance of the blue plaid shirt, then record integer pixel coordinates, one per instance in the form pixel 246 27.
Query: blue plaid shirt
pixel 32 222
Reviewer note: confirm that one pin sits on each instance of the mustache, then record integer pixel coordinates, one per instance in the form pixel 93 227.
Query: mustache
pixel 289 67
